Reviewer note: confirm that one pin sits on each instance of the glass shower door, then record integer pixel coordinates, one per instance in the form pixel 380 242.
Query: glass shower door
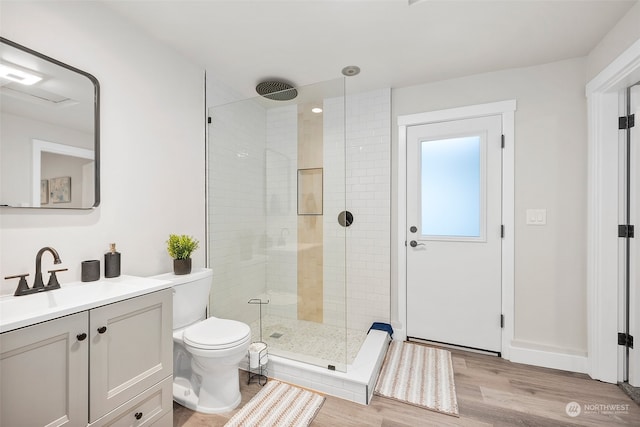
pixel 276 186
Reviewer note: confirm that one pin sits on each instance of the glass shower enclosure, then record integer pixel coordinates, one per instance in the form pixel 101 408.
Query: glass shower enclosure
pixel 276 190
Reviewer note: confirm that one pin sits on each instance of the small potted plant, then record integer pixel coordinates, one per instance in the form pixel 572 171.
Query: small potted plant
pixel 180 249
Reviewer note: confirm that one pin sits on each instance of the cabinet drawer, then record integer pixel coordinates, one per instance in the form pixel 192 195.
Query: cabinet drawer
pixel 144 410
pixel 165 421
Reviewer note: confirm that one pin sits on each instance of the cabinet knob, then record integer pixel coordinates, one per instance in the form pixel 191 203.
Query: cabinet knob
pixel 102 329
pixel 81 337
pixel 138 415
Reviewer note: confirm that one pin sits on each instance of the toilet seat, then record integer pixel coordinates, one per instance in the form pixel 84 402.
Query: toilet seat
pixel 217 334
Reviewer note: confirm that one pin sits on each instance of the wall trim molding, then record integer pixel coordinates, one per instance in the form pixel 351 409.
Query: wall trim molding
pixel 507 110
pixel 548 358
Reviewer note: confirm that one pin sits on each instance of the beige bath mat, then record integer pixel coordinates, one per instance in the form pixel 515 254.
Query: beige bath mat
pixel 418 375
pixel 278 405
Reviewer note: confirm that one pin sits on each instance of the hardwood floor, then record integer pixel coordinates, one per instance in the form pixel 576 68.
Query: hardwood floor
pixel 491 392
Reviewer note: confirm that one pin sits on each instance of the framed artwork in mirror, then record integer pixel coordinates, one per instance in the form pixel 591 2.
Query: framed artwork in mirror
pixel 60 189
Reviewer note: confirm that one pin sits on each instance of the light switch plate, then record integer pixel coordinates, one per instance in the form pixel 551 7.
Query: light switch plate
pixel 536 216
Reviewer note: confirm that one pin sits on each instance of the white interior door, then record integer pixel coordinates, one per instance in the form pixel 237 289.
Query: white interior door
pixel 634 246
pixel 454 177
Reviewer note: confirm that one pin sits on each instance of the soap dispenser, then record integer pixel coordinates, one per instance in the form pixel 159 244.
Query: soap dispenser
pixel 112 262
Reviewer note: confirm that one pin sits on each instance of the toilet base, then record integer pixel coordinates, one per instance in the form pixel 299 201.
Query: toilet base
pixel 184 396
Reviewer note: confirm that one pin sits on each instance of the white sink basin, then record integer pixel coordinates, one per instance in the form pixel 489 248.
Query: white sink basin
pixel 18 312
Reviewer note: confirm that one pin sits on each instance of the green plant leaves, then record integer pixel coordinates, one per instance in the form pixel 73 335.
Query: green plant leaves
pixel 181 246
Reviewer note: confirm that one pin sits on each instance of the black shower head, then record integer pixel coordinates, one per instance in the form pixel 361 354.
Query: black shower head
pixel 276 90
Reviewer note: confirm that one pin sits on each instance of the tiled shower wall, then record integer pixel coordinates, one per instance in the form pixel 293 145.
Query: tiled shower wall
pixel 369 199
pixel 334 235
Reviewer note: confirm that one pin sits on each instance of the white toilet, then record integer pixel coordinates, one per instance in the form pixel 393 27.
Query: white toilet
pixel 206 352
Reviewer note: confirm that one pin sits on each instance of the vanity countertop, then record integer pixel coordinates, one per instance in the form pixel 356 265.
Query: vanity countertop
pixel 26 310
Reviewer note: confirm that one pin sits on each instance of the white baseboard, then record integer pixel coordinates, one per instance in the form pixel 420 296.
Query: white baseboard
pixel 548 358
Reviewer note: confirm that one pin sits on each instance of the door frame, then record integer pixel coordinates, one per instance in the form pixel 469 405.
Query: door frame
pixel 507 110
pixel 603 287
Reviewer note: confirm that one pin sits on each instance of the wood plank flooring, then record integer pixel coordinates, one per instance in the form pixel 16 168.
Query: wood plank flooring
pixel 491 392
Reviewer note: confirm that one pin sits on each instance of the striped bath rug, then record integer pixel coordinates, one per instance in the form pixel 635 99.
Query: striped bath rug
pixel 278 405
pixel 418 375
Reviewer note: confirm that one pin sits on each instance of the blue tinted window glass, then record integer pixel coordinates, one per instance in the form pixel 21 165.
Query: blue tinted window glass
pixel 451 187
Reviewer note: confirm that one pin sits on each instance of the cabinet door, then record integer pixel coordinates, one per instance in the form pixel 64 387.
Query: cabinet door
pixel 44 374
pixel 131 349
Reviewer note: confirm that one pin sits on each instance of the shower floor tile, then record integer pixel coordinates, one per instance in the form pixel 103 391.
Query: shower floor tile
pixel 309 342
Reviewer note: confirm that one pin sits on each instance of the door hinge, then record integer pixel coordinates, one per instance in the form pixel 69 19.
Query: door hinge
pixel 626 122
pixel 626 230
pixel 502 231
pixel 625 339
pixel 502 321
pixel 502 141
pixel 209 120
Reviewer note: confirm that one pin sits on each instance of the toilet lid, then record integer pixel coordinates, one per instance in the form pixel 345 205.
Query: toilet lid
pixel 216 334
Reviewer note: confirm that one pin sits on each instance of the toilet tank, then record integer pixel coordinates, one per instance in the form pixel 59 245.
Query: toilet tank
pixel 190 295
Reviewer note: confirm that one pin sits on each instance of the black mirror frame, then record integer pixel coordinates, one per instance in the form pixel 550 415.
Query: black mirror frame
pixel 96 119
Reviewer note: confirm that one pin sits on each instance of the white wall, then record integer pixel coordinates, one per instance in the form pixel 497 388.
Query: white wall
pixel 152 144
pixel 618 39
pixel 550 173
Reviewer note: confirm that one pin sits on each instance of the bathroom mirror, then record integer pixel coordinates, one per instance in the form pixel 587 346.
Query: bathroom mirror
pixel 49 132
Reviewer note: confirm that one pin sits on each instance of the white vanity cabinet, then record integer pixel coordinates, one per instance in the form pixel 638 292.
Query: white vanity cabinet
pixel 131 350
pixel 107 366
pixel 44 374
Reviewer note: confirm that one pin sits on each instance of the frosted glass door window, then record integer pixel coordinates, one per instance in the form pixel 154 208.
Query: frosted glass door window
pixel 452 188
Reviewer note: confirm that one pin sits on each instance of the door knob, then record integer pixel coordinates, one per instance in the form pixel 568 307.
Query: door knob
pixel 81 337
pixel 102 329
pixel 413 244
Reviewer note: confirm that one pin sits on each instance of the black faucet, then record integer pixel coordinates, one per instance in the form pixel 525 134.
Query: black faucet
pixel 38 284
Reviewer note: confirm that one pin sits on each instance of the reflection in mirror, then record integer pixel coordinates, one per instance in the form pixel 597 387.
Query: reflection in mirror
pixel 49 132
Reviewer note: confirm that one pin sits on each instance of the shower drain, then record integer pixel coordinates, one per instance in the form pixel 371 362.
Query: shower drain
pixel 275 335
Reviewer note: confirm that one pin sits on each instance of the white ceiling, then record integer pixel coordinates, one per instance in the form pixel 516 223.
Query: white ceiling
pixel 394 43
